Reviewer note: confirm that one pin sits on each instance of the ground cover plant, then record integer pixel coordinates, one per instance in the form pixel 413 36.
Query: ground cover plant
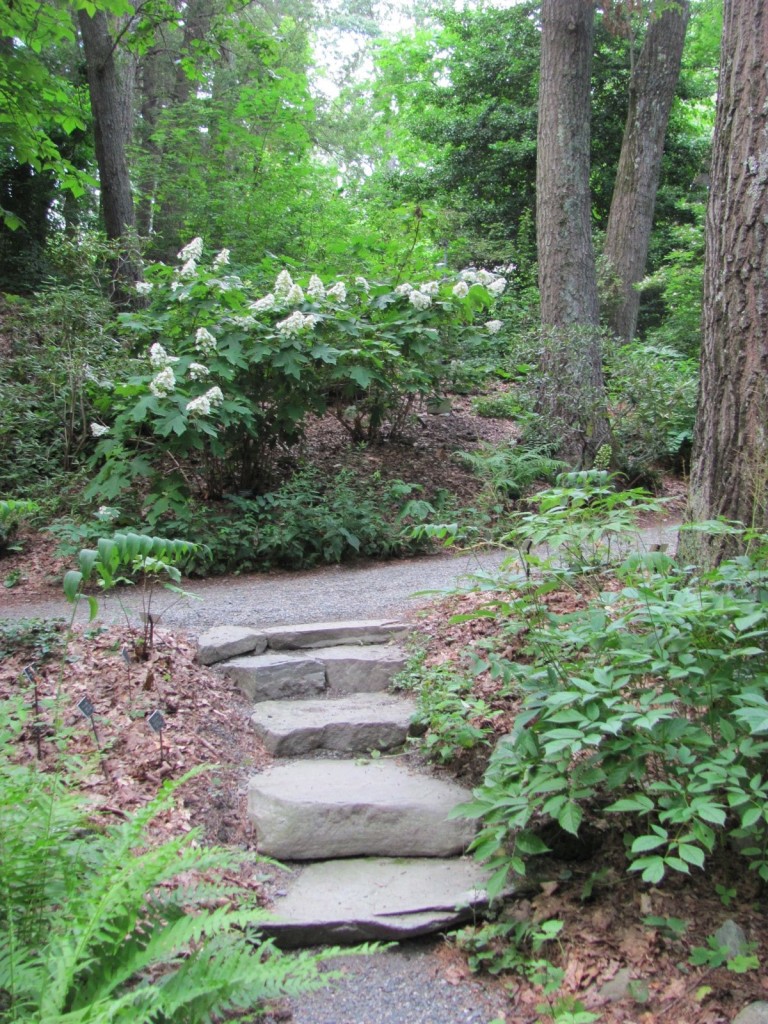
pixel 611 706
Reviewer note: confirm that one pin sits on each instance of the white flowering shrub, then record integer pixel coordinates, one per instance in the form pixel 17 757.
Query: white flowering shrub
pixel 226 370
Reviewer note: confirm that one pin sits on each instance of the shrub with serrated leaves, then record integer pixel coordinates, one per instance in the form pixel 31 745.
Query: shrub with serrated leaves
pixel 650 703
pixel 100 926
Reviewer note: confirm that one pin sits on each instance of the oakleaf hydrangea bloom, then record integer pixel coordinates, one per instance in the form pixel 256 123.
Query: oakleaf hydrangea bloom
pixel 338 292
pixel 198 372
pixel 199 406
pixel 99 430
pixel 497 287
pixel 189 269
pixel 144 287
pixel 222 259
pixel 469 275
pixel 260 305
pixel 193 251
pixel 461 290
pixel 283 284
pixel 294 323
pixel 204 341
pixel 295 296
pixel 244 321
pixel 163 384
pixel 159 358
pixel 214 395
pixel 430 288
pixel 485 277
pixel 494 326
pixel 419 300
pixel 315 288
pixel 404 289
pixel 362 283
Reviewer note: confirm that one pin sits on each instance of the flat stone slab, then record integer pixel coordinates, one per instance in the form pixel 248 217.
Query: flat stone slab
pixel 276 676
pixel 224 642
pixel 316 810
pixel 343 901
pixel 369 669
pixel 351 724
pixel 328 634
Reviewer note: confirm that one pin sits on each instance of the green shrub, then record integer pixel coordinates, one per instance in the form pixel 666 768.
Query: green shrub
pixel 99 925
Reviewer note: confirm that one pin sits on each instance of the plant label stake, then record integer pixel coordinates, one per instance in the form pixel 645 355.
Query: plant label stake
pixel 37 726
pixel 156 722
pixel 87 710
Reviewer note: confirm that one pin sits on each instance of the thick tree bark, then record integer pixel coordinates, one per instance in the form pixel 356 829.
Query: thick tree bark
pixel 111 92
pixel 573 401
pixel 729 471
pixel 651 92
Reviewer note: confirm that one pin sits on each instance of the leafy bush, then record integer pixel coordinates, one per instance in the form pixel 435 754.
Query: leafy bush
pixel 12 512
pixel 227 374
pixel 98 925
pixel 509 469
pixel 649 703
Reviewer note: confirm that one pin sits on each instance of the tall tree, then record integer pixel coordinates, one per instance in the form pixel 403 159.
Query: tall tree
pixel 111 87
pixel 574 399
pixel 652 88
pixel 729 470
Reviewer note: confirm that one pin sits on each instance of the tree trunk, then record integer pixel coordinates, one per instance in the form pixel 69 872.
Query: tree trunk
pixel 651 92
pixel 573 399
pixel 729 471
pixel 111 92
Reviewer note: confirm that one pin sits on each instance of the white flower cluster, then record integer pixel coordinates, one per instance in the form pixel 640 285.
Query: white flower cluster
pixel 338 292
pixel 494 326
pixel 99 430
pixel 205 343
pixel 295 296
pixel 493 282
pixel 404 289
pixel 430 288
pixel 202 405
pixel 244 321
pixel 283 284
pixel 294 323
pixel 198 372
pixel 163 384
pixel 192 251
pixel 315 288
pixel 461 289
pixel 144 287
pixel 222 259
pixel 362 283
pixel 159 358
pixel 261 305
pixel 419 299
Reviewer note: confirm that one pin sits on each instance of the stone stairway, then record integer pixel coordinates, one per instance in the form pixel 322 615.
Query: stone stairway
pixel 373 853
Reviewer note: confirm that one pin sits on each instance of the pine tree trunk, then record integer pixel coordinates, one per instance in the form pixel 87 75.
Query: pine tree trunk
pixel 651 92
pixel 729 471
pixel 573 398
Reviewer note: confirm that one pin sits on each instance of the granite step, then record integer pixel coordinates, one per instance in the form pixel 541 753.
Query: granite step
pixel 330 634
pixel 363 899
pixel 319 810
pixel 353 724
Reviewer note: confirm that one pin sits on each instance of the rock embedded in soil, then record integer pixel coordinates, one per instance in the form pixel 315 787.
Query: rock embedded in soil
pixel 314 810
pixel 363 899
pixel 353 724
pixel 754 1013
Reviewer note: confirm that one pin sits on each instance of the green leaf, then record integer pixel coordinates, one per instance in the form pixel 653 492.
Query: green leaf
pixel 72 581
pixel 644 843
pixel 570 818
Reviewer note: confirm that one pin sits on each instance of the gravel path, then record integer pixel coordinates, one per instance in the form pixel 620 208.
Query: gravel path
pixel 372 590
pixel 408 984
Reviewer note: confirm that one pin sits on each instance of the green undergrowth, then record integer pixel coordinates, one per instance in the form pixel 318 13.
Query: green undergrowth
pixel 640 701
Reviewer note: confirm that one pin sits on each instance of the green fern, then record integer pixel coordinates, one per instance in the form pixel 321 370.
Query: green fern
pixel 96 925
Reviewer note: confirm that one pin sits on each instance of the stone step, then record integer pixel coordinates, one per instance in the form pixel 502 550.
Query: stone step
pixel 353 724
pixel 276 676
pixel 330 634
pixel 369 669
pixel 362 899
pixel 279 675
pixel 315 810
